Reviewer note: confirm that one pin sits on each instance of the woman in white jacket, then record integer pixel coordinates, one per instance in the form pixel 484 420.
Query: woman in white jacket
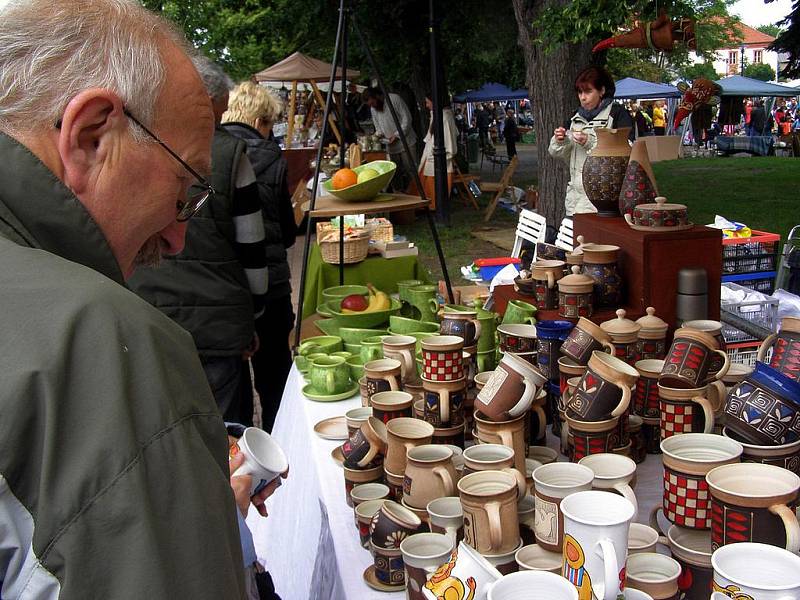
pixel 450 145
pixel 571 143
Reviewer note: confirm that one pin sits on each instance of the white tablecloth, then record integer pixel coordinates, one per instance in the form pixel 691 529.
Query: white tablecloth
pixel 309 543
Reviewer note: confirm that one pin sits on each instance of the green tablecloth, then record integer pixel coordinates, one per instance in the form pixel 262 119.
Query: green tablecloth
pixel 383 273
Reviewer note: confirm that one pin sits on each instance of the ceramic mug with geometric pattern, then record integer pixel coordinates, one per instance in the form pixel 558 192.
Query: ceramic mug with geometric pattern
pixel 442 358
pixel 690 358
pixel 645 399
pixel 584 339
pixel 604 391
pixel 685 411
pixel 785 348
pixel 687 459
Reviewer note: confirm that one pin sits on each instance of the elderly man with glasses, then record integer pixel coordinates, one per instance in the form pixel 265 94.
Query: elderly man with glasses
pixel 114 470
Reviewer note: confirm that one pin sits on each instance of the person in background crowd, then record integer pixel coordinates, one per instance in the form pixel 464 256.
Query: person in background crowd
pixel 641 121
pixel 386 127
pixel 114 472
pixel 500 120
pixel 758 119
pixel 571 143
pixel 216 286
pixel 426 163
pixel 252 110
pixel 482 121
pixel 512 133
pixel 748 110
pixel 659 118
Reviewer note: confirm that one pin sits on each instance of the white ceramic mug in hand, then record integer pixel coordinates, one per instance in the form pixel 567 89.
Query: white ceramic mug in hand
pixel 264 460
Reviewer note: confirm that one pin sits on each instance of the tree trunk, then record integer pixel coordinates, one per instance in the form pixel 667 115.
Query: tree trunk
pixel 550 77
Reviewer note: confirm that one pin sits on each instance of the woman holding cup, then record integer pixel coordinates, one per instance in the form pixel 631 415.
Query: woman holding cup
pixel 572 142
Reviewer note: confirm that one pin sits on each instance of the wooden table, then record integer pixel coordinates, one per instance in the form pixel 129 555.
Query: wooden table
pixel 330 206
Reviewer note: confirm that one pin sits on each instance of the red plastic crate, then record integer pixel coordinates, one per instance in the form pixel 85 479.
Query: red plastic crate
pixel 755 254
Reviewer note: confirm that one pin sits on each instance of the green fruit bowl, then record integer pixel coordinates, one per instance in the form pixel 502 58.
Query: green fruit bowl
pixel 341 291
pixel 353 335
pixel 361 320
pixel 366 190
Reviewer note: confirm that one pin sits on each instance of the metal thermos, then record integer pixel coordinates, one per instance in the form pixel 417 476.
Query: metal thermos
pixel 692 300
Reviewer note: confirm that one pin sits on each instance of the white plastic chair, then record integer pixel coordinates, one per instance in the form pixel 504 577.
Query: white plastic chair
pixel 532 227
pixel 564 237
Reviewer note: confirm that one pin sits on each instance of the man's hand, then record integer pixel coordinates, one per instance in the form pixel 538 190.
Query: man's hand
pixel 255 344
pixel 560 133
pixel 241 487
pixel 392 139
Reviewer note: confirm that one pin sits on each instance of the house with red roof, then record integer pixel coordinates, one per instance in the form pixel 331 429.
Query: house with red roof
pixel 747 44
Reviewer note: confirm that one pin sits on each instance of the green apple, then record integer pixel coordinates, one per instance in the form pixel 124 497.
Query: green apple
pixel 366 175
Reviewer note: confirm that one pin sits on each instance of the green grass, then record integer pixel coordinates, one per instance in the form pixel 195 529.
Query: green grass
pixel 762 192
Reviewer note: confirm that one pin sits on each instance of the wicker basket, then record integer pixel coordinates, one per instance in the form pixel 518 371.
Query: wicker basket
pixel 356 246
pixel 381 230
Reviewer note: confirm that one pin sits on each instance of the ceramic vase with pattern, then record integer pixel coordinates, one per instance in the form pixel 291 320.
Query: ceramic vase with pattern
pixel 604 169
pixel 639 183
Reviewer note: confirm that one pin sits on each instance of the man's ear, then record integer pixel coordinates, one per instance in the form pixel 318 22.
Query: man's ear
pixel 91 124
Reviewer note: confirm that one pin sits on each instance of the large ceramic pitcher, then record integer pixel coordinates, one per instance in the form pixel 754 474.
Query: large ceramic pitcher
pixel 604 169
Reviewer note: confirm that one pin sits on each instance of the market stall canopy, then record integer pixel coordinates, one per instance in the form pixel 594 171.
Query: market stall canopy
pixel 299 67
pixel 630 87
pixel 305 87
pixel 737 85
pixel 491 91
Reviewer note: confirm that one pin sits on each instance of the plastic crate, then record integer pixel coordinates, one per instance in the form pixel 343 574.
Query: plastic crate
pixel 744 354
pixel 759 282
pixel 748 321
pixel 755 254
pixel 489 267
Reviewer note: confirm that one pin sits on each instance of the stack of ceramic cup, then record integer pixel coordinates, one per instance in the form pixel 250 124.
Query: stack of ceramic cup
pixel 362 454
pixel 445 366
pixel 596 405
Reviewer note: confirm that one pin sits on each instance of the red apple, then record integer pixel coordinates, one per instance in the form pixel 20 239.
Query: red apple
pixel 355 302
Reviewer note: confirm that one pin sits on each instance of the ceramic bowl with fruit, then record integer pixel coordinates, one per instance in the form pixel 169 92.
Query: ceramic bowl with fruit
pixel 342 291
pixel 358 311
pixel 361 183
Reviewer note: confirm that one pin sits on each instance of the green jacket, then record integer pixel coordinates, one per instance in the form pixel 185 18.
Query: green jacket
pixel 113 458
pixel 204 288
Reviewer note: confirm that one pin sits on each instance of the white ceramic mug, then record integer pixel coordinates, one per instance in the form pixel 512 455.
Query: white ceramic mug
pixel 423 553
pixel 467 574
pixel 532 585
pixel 758 571
pixel 552 483
pixel 613 472
pixel 264 460
pixel 596 543
pixel 446 516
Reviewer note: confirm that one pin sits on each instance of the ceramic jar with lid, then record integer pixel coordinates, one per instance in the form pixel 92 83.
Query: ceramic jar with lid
pixel 576 256
pixel 575 295
pixel 546 273
pixel 624 335
pixel 652 335
pixel 659 216
pixel 600 262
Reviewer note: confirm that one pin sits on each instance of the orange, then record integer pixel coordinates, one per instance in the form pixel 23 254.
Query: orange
pixel 344 178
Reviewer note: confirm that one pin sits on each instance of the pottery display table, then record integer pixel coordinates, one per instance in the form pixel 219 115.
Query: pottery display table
pixel 309 542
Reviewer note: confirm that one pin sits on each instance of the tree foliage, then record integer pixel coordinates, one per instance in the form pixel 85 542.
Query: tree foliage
pixel 705 70
pixel 760 71
pixel 789 41
pixel 772 30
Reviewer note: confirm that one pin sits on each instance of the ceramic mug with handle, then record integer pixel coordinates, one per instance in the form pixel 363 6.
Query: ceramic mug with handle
pixel 489 501
pixel 757 571
pixel 613 473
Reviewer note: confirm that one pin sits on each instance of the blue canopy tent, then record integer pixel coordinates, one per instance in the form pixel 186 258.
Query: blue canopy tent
pixel 737 85
pixel 630 88
pixel 491 91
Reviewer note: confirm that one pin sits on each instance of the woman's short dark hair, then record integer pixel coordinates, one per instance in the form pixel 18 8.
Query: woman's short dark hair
pixel 595 77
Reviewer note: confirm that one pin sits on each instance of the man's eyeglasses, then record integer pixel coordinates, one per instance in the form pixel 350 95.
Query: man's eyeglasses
pixel 195 200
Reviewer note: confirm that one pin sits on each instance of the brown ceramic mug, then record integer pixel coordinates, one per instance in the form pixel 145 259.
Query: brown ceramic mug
pixel 510 390
pixel 714 329
pixel 395 485
pixel 366 446
pixel 383 375
pixel 402 348
pixel 604 391
pixel 754 503
pixel 391 405
pixel 690 358
pixel 785 348
pixel 489 501
pixel 786 456
pixel 645 398
pixel 592 437
pixel 444 402
pixel 446 516
pixel 553 483
pixel 653 574
pixel 392 524
pixel 364 513
pixel 493 457
pixel 585 338
pixel 429 474
pixel 355 417
pixel 509 433
pixel 403 434
pixel 354 477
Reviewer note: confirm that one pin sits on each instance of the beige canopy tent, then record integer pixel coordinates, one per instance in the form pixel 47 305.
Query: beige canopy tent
pixel 299 68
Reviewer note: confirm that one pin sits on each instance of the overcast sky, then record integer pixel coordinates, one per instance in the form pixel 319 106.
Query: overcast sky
pixel 757 12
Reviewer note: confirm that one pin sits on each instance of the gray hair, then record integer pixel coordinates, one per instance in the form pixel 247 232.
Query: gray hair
pixel 215 80
pixel 51 51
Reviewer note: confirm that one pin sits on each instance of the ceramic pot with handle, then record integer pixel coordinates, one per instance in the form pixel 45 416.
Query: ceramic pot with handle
pixel 575 295
pixel 546 273
pixel 601 263
pixel 785 348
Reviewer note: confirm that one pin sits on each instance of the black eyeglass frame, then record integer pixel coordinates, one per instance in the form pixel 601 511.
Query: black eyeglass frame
pixel 186 210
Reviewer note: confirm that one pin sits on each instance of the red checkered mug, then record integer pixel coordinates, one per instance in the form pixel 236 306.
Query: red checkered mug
pixel 687 459
pixel 442 358
pixel 687 410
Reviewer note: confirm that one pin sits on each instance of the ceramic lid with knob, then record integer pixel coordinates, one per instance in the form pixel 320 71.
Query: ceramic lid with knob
pixel 621 329
pixel 653 328
pixel 576 256
pixel 576 283
pixel 659 216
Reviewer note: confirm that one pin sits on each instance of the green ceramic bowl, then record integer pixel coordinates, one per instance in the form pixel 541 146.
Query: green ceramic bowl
pixel 354 335
pixel 340 291
pixel 326 343
pixel 353 348
pixel 356 364
pixel 403 325
pixel 343 353
pixel 368 189
pixel 362 320
pixel 327 326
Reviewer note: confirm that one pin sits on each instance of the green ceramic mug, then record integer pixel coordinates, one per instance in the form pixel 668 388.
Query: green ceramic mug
pixel 423 299
pixel 356 366
pixel 518 311
pixel 403 287
pixel 329 375
pixel 488 321
pixel 303 362
pixel 487 361
pixel 372 348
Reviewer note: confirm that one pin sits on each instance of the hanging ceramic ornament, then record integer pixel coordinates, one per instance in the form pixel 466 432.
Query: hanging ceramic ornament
pixel 703 91
pixel 639 184
pixel 661 34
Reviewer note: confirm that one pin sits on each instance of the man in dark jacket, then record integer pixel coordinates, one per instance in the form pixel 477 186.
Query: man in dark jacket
pixel 758 119
pixel 511 133
pixel 216 287
pixel 114 476
pixel 483 120
pixel 251 113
